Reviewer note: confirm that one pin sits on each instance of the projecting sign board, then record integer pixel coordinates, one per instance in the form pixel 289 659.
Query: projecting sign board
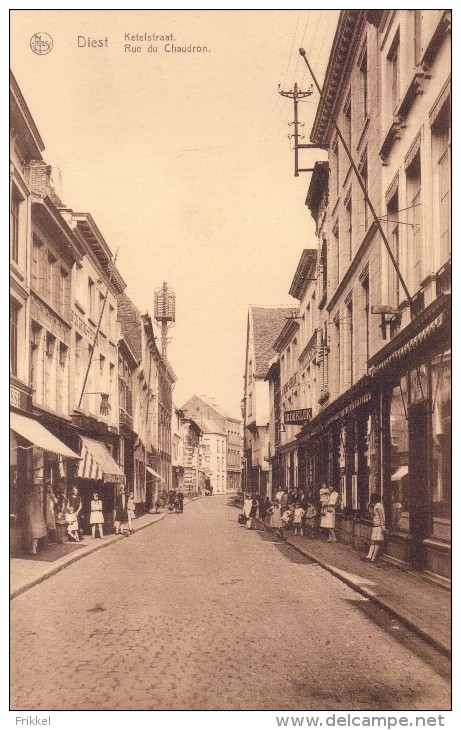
pixel 298 416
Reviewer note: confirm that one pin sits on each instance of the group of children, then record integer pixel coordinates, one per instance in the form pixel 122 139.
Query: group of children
pixel 301 517
pixel 70 514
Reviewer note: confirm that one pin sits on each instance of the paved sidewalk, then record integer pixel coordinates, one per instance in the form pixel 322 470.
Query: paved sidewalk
pixel 26 572
pixel 418 603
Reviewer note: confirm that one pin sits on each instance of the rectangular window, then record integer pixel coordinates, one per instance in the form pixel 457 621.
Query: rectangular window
pixel 364 175
pixel 111 321
pixel 50 344
pixel 78 366
pixel 394 73
pixel 366 293
pixel 441 177
pixel 91 298
pixel 335 169
pixel 101 304
pixel 64 293
pixel 102 361
pixel 393 236
pixel 14 317
pixel 417 35
pixel 413 180
pixel 350 317
pixel 364 82
pixel 35 334
pixel 52 289
pixel 338 353
pixel 442 448
pixel 347 124
pixel 444 205
pixel 14 224
pixel 37 264
pixel 349 228
pixel 60 379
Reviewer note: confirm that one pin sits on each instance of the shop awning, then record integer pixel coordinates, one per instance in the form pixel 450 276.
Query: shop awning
pixel 98 463
pixel 38 435
pixel 154 473
pixel 401 472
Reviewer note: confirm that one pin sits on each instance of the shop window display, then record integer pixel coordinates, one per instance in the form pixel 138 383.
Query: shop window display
pixel 441 441
pixel 399 457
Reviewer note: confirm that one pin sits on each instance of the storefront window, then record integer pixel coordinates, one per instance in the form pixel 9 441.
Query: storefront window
pixel 399 457
pixel 418 384
pixel 441 455
pixel 372 457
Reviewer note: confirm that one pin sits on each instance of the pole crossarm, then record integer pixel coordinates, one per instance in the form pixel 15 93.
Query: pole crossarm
pixel 361 183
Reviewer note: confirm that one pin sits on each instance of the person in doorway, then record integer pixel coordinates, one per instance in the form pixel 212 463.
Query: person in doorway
pixel 61 522
pixel 121 513
pixel 75 501
pixel 35 525
pixel 328 521
pixel 324 496
pixel 379 526
pixel 131 511
pixel 96 516
pixel 50 504
pixel 72 524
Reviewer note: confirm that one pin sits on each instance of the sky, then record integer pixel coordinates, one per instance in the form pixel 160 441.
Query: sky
pixel 183 160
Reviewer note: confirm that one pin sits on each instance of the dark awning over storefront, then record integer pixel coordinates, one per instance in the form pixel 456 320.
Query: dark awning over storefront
pixel 98 463
pixel 38 435
pixel 154 473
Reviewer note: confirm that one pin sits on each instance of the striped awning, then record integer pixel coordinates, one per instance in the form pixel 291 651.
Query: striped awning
pixel 98 463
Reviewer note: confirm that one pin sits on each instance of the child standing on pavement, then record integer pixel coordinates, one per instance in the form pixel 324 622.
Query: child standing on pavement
pixel 379 526
pixel 72 524
pixel 276 519
pixel 298 514
pixel 96 516
pixel 311 514
pixel 130 508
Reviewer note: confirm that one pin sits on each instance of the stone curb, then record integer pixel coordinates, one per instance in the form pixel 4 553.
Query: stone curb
pixel 441 646
pixel 72 558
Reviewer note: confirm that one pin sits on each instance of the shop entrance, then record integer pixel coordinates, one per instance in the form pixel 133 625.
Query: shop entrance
pixel 418 480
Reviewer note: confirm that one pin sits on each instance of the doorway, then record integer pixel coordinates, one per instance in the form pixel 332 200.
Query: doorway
pixel 418 481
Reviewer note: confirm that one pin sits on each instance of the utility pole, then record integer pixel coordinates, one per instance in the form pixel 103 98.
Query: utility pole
pixel 377 221
pixel 296 95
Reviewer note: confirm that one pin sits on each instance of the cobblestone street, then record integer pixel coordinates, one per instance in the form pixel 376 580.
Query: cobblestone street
pixel 198 613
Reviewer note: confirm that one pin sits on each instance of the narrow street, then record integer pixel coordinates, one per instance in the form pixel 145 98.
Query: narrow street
pixel 198 613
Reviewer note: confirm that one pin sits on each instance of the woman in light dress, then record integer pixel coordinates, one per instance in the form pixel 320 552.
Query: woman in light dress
pixel 96 516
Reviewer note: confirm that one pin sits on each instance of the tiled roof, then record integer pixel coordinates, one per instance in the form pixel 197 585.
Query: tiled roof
pixel 267 325
pixel 129 317
pixel 208 426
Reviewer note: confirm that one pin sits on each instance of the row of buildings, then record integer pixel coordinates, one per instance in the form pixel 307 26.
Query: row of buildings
pixel 352 385
pixel 90 391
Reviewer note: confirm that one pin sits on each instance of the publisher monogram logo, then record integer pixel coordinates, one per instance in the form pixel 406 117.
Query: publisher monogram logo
pixel 41 43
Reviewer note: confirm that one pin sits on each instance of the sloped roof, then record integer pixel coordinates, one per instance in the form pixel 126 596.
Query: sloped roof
pixel 219 409
pixel 208 426
pixel 267 325
pixel 129 317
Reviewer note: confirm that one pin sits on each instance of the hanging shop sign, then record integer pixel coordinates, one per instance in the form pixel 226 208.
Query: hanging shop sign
pixel 298 416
